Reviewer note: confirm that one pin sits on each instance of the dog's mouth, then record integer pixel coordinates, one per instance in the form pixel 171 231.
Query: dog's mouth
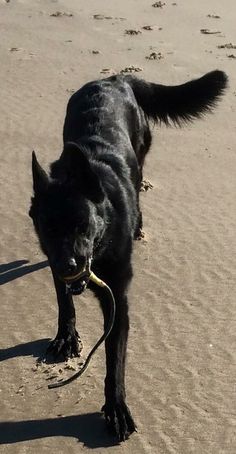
pixel 77 287
pixel 77 283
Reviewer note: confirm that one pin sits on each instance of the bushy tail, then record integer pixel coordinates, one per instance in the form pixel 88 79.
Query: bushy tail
pixel 180 103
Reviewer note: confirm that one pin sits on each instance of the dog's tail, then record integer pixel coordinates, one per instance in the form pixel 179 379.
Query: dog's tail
pixel 181 103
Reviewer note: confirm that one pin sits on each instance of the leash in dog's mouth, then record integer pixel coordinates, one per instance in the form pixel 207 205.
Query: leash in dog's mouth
pixel 77 283
pixel 81 280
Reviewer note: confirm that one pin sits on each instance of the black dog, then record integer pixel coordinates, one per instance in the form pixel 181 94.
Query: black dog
pixel 88 208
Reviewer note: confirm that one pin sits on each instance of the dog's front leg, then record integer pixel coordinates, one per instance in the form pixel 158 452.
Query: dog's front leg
pixel 67 341
pixel 116 411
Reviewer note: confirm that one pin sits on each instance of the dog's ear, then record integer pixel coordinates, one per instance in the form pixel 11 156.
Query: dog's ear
pixel 40 178
pixel 80 173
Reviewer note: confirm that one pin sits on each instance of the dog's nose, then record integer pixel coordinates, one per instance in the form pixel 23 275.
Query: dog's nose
pixel 70 267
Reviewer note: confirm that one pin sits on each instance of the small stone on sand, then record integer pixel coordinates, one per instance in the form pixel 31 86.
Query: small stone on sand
pixel 158 4
pixel 131 69
pixel 132 32
pixel 154 56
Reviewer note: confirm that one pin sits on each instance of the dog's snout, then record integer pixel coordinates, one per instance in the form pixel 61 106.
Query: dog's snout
pixel 66 267
pixel 70 267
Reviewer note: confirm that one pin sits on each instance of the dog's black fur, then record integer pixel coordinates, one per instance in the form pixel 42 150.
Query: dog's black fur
pixel 88 208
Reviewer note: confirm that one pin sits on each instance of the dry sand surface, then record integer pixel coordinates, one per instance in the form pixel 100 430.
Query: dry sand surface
pixel 181 373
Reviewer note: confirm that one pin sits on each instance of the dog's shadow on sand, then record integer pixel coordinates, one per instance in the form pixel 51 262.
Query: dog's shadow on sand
pixel 35 348
pixel 89 429
pixel 9 272
pixel 13 270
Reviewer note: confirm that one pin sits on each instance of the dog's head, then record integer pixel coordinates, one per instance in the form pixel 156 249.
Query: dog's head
pixel 67 211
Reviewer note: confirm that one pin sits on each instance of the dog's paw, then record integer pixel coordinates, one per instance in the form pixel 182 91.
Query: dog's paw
pixel 66 346
pixel 119 420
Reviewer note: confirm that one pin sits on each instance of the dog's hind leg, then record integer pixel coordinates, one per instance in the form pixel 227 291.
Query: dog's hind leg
pixel 141 154
pixel 116 411
pixel 67 341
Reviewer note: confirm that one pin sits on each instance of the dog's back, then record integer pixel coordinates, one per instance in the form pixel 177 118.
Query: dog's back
pixel 115 111
pixel 106 112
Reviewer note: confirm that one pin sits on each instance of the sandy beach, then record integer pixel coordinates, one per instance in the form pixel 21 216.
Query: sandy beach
pixel 181 363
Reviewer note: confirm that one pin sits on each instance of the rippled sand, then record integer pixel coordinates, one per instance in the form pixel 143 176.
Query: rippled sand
pixel 181 357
